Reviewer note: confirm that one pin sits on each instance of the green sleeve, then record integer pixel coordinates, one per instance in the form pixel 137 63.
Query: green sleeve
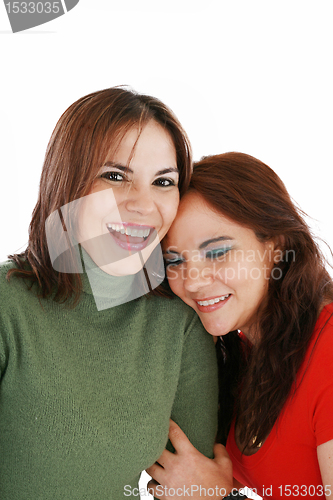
pixel 195 404
pixel 3 352
pixel 4 319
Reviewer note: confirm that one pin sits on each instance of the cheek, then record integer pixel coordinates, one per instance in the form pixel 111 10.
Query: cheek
pixel 168 211
pixel 256 287
pixel 91 213
pixel 228 273
pixel 94 211
pixel 83 221
pixel 103 200
pixel 175 282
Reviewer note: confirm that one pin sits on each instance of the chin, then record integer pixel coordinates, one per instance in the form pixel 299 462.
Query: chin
pixel 125 267
pixel 216 329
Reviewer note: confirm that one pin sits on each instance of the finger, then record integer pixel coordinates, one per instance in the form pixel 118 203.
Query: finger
pixel 166 458
pixel 156 472
pixel 154 490
pixel 179 439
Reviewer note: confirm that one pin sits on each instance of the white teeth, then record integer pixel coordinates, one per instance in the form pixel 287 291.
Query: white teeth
pixel 212 301
pixel 139 233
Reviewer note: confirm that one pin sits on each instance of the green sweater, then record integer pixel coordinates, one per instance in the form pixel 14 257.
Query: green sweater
pixel 86 395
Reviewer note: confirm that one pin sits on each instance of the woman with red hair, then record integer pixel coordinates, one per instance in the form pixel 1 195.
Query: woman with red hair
pixel 241 255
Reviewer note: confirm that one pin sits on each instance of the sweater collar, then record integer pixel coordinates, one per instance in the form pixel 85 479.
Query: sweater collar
pixel 108 291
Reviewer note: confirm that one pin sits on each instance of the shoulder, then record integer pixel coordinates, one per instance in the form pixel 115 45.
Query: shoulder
pixel 11 292
pixel 319 377
pixel 5 267
pixel 322 339
pixel 13 289
pixel 5 283
pixel 319 357
pixel 172 312
pixel 316 366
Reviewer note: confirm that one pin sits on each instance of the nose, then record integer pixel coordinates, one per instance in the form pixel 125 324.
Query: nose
pixel 140 199
pixel 197 275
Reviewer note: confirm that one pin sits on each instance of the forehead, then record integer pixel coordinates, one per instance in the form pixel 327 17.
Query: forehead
pixel 197 221
pixel 153 145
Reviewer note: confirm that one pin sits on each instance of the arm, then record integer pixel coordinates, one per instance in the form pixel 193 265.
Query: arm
pixel 187 472
pixel 321 404
pixel 325 459
pixel 195 404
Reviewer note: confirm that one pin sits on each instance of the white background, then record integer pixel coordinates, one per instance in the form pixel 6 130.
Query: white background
pixel 250 76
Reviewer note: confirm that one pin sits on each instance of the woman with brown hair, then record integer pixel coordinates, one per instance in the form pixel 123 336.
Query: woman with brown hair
pixel 89 376
pixel 241 255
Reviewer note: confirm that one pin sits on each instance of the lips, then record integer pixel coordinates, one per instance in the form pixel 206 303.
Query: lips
pixel 210 304
pixel 131 237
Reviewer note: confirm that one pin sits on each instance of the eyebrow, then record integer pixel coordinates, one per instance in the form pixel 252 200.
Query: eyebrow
pixel 119 166
pixel 123 168
pixel 203 245
pixel 214 240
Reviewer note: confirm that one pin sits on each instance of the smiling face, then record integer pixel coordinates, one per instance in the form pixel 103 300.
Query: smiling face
pixel 132 203
pixel 218 267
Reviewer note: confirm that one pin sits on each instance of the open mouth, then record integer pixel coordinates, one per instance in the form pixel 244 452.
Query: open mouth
pixel 132 237
pixel 208 305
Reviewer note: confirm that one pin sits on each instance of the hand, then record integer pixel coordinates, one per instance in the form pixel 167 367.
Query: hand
pixel 188 473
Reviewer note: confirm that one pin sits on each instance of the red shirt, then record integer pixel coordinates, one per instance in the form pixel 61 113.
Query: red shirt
pixel 286 466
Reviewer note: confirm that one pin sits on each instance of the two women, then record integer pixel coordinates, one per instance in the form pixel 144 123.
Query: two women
pixel 241 255
pixel 88 384
pixel 89 376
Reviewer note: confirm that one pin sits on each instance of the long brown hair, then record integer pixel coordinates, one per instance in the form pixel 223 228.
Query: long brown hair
pixel 83 138
pixel 248 192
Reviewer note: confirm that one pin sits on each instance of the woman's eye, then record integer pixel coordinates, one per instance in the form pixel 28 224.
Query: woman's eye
pixel 218 253
pixel 163 182
pixel 113 176
pixel 173 262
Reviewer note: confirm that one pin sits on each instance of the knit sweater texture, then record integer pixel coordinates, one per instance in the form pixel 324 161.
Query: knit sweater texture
pixel 86 395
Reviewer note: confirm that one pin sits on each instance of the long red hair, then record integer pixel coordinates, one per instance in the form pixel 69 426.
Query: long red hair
pixel 248 192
